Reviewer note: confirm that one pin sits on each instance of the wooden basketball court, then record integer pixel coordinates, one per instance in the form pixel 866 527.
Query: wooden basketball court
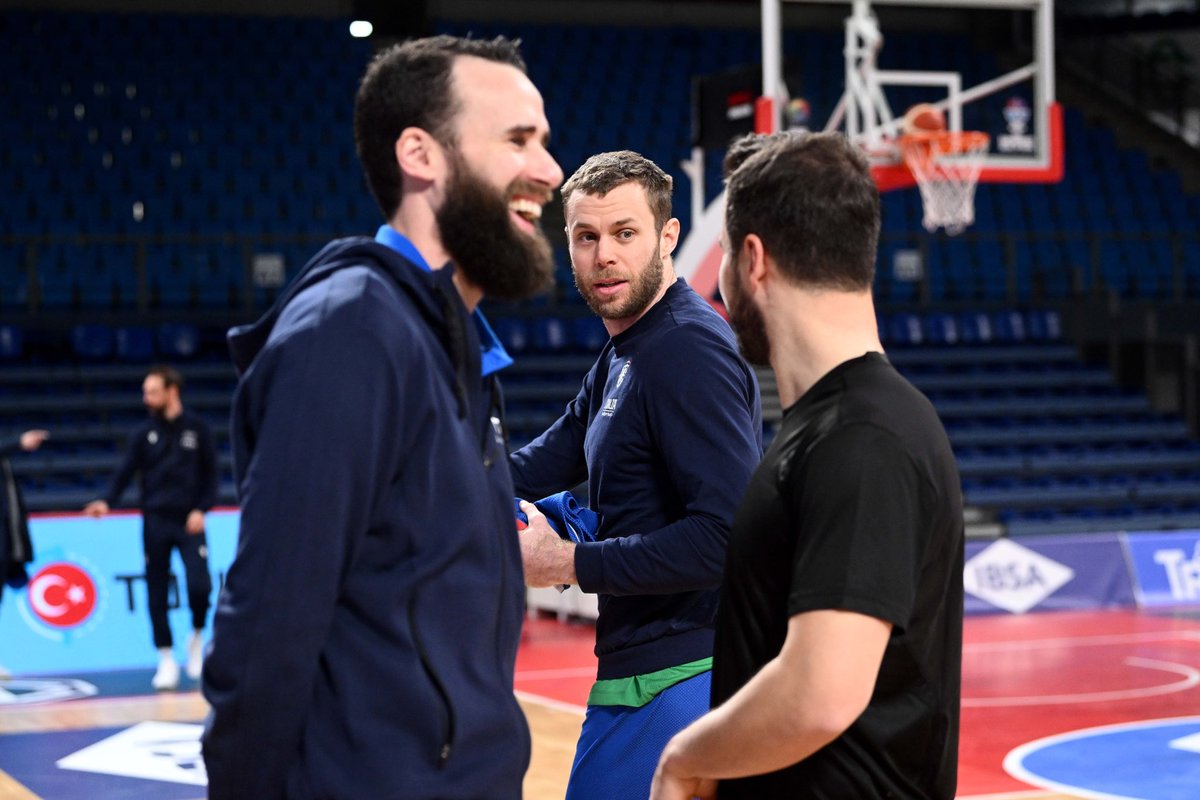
pixel 1025 678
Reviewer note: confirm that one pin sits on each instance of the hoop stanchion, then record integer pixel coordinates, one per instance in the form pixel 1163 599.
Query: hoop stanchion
pixel 946 166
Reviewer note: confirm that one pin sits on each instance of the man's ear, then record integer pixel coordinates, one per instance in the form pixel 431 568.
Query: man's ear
pixel 419 155
pixel 754 256
pixel 669 238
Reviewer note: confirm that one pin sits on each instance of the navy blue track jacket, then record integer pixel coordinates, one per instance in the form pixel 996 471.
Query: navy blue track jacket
pixel 666 429
pixel 365 640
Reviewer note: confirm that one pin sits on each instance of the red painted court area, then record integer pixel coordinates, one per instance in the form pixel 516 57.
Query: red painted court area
pixel 1024 677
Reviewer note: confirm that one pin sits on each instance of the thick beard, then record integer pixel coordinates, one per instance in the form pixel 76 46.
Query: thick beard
pixel 642 289
pixel 749 325
pixel 503 262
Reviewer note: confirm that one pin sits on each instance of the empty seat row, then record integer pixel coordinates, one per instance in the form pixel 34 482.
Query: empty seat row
pixel 101 343
pixel 971 327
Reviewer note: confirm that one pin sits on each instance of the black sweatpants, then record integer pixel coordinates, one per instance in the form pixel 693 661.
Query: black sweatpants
pixel 160 533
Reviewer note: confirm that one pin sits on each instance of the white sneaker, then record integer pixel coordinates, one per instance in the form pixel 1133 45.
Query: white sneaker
pixel 195 652
pixel 166 677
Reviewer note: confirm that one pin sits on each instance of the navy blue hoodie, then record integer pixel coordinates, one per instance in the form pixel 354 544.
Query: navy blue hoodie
pixel 365 640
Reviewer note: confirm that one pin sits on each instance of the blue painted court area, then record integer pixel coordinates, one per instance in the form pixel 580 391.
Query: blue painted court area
pixel 148 759
pixel 33 761
pixel 1148 760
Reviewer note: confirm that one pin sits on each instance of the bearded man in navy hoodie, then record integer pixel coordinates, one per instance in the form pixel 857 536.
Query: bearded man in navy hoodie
pixel 365 639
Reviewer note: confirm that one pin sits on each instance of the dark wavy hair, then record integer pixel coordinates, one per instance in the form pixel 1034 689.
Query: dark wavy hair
pixel 811 199
pixel 408 85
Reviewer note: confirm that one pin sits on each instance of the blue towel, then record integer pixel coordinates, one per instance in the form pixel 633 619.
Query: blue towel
pixel 569 519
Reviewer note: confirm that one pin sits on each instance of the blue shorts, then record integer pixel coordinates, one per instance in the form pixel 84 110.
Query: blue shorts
pixel 620 745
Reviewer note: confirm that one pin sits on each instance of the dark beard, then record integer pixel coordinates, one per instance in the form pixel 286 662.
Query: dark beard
pixel 642 289
pixel 748 323
pixel 490 252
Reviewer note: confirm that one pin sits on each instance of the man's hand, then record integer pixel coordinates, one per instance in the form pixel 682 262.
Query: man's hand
pixel 32 440
pixel 195 522
pixel 96 508
pixel 668 785
pixel 548 560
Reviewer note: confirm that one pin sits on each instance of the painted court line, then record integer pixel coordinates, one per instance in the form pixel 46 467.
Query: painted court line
pixel 1083 641
pixel 1190 679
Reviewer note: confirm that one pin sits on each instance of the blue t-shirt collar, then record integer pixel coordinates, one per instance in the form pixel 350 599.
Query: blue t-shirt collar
pixel 493 355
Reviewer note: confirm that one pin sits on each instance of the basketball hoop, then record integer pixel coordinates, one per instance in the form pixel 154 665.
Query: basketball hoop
pixel 946 165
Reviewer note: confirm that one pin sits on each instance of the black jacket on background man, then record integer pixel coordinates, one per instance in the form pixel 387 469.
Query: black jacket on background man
pixel 15 548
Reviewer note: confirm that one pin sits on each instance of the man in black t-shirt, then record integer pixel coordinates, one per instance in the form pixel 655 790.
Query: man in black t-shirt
pixel 839 636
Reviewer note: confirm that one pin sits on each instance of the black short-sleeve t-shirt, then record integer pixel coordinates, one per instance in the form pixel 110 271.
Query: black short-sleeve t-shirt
pixel 857 506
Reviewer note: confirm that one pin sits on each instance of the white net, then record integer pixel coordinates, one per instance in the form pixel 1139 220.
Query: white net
pixel 946 165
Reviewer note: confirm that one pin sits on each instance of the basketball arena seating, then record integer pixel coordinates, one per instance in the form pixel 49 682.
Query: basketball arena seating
pixel 156 169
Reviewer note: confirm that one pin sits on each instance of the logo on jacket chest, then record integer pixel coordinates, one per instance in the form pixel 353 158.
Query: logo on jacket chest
pixel 610 405
pixel 624 372
pixel 189 440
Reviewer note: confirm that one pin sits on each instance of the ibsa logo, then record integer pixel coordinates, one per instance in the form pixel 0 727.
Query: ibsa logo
pixel 62 595
pixel 1013 577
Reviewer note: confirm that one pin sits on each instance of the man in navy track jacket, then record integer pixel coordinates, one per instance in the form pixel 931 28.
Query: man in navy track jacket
pixel 365 640
pixel 666 430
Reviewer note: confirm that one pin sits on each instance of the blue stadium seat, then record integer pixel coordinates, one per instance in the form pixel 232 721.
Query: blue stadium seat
pixel 512 332
pixel 588 334
pixel 134 343
pixel 58 270
pixel 550 334
pixel 941 328
pixel 1008 326
pixel 177 340
pixel 14 277
pixel 12 343
pixel 975 327
pixel 1043 325
pixel 92 342
pixel 905 328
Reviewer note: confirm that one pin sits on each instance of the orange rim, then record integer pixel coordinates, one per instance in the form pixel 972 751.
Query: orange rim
pixel 944 142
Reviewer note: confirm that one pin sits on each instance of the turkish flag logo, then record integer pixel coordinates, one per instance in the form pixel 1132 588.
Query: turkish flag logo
pixel 62 595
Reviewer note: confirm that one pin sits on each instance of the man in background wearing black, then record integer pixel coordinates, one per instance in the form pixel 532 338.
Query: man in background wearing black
pixel 174 454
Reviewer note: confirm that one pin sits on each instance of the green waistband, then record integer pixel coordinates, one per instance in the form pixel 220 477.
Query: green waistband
pixel 638 690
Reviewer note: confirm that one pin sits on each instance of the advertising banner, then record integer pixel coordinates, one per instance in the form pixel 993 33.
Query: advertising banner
pixel 1166 567
pixel 1046 573
pixel 84 608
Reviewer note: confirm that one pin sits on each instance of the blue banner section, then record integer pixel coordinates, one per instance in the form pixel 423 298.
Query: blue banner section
pixel 1046 573
pixel 84 608
pixel 1166 567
